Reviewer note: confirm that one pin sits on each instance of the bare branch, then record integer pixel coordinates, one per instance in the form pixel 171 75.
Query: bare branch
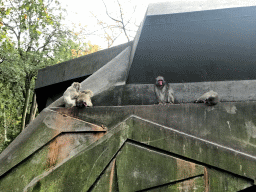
pixel 109 15
pixel 122 22
pixel 104 28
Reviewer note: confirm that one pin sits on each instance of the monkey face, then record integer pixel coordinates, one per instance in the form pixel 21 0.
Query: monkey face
pixel 84 99
pixel 160 81
pixel 85 104
pixel 76 85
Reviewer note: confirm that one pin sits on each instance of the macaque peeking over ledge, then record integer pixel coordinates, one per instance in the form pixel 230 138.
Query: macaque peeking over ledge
pixel 164 93
pixel 84 99
pixel 209 98
pixel 71 94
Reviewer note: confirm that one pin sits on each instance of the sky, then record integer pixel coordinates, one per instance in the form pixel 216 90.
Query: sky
pixel 80 13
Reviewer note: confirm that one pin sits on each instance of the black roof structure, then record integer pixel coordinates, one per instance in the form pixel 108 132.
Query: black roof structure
pixel 196 41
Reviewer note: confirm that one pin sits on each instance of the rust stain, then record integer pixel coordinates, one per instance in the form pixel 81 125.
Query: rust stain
pixel 63 123
pixel 59 149
pixel 73 112
pixel 206 180
pixel 112 175
pixel 186 186
pixel 98 135
pixel 66 124
pixel 184 170
pixel 103 127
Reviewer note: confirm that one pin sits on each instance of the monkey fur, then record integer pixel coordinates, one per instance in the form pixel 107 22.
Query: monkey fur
pixel 71 94
pixel 209 98
pixel 84 99
pixel 164 93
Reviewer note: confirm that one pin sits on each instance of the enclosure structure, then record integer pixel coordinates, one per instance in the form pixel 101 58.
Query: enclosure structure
pixel 126 142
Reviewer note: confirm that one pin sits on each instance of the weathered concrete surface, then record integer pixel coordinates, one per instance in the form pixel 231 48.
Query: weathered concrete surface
pixel 192 147
pixel 108 181
pixel 44 160
pixel 81 171
pixel 177 161
pixel 144 168
pixel 193 184
pixel 79 67
pixel 136 40
pixel 42 130
pixel 107 116
pixel 103 79
pixel 230 124
pixel 143 94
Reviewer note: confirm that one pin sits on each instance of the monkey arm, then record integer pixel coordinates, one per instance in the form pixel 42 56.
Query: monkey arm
pixel 170 97
pixel 75 95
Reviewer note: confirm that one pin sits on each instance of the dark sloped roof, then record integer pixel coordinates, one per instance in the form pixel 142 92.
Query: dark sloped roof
pixel 79 67
pixel 183 43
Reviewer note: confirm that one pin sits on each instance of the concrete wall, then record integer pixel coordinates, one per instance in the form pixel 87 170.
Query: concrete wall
pixel 134 148
pixel 143 94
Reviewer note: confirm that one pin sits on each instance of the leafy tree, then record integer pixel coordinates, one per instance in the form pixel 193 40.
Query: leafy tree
pixel 71 49
pixel 34 27
pixel 31 37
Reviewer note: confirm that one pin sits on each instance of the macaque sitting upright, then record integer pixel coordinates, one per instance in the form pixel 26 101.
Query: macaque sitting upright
pixel 164 92
pixel 71 94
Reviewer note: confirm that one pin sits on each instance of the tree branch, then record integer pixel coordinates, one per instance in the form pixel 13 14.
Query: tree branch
pixel 109 15
pixel 122 22
pixel 47 41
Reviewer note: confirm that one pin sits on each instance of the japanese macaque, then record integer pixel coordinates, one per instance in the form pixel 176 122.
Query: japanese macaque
pixel 71 94
pixel 84 99
pixel 209 98
pixel 164 93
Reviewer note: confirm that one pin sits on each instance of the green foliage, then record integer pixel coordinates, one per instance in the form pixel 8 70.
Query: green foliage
pixel 31 37
pixel 70 49
pixel 11 100
pixel 30 34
